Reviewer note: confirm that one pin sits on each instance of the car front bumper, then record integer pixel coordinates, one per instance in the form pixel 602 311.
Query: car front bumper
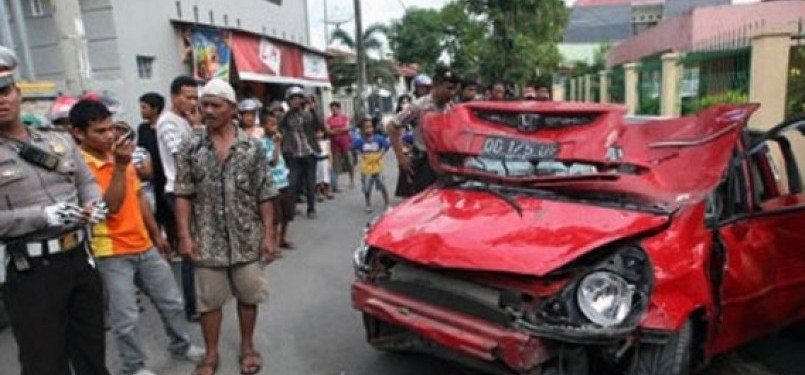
pixel 459 332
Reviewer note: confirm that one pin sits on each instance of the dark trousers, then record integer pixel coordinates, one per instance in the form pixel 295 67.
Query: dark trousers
pixel 424 175
pixel 56 314
pixel 303 175
pixel 188 269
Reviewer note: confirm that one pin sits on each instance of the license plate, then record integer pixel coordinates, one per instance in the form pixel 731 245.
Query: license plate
pixel 517 149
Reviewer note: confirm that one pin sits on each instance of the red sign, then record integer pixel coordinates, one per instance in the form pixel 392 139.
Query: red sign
pixel 265 60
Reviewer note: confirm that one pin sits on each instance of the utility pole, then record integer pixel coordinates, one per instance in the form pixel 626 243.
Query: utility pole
pixel 72 44
pixel 19 21
pixel 361 59
pixel 8 39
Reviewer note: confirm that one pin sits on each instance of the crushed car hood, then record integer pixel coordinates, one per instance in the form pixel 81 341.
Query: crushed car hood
pixel 475 230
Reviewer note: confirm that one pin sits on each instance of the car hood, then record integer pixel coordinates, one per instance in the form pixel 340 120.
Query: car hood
pixel 475 230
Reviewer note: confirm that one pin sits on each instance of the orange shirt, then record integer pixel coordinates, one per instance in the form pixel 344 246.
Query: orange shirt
pixel 124 232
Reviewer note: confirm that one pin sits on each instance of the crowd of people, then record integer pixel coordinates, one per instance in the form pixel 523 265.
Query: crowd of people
pixel 96 212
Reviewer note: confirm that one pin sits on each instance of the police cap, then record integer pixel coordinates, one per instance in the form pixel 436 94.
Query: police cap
pixel 8 62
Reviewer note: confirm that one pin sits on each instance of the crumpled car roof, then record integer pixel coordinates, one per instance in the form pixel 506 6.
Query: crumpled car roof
pixel 668 162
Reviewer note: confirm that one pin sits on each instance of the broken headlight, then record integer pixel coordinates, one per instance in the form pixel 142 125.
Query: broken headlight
pixel 605 298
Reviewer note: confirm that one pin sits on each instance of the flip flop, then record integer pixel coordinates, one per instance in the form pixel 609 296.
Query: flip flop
pixel 254 368
pixel 287 245
pixel 203 367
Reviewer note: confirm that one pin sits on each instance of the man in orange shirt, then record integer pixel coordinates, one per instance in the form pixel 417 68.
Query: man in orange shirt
pixel 124 243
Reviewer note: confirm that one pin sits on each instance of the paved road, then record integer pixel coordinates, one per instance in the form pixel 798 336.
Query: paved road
pixel 309 327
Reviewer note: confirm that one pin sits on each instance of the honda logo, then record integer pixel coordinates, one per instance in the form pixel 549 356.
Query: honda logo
pixel 529 122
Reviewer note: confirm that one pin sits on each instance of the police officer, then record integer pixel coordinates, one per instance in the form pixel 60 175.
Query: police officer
pixel 52 292
pixel 414 168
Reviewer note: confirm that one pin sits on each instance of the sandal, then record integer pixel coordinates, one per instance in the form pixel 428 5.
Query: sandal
pixel 287 245
pixel 206 368
pixel 253 367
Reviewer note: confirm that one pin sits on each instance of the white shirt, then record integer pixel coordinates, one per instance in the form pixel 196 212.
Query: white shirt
pixel 172 131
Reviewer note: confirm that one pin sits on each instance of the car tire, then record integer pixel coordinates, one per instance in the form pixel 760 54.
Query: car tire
pixel 670 358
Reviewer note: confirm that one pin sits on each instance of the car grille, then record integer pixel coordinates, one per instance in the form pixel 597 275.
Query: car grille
pixel 451 293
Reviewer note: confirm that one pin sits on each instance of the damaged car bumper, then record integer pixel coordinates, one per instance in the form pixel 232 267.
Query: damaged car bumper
pixel 468 335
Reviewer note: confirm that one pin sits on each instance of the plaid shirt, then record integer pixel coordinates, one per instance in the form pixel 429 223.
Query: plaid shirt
pixel 226 223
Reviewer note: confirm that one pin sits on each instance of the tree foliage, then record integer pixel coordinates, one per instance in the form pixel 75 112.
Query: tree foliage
pixel 512 40
pixel 418 37
pixel 343 70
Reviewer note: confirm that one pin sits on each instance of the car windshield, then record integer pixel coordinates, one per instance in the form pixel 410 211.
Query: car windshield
pixel 507 192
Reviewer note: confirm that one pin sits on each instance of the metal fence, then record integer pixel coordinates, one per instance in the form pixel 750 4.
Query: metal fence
pixel 795 102
pixel 649 78
pixel 617 85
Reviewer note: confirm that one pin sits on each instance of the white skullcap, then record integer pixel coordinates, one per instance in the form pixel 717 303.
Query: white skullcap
pixel 220 88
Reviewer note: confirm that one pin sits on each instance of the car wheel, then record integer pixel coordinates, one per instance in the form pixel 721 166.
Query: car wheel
pixel 670 358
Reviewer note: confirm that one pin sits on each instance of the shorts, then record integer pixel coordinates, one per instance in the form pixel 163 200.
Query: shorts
pixel 342 161
pixel 284 209
pixel 246 282
pixel 369 180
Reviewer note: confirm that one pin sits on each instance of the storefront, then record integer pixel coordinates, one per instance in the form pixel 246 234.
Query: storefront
pixel 257 66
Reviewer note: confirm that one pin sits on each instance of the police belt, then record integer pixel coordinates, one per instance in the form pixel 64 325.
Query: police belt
pixel 64 242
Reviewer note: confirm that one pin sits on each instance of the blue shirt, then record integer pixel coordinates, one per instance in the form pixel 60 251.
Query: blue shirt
pixel 279 172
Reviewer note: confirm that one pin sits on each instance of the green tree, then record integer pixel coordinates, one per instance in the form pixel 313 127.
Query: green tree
pixel 418 38
pixel 343 70
pixel 372 41
pixel 521 37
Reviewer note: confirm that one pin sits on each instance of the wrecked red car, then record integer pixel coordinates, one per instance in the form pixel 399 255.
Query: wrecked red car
pixel 565 239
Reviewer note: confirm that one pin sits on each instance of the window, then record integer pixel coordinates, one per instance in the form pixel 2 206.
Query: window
pixel 195 13
pixel 179 9
pixel 37 9
pixel 226 20
pixel 212 18
pixel 777 168
pixel 277 2
pixel 145 66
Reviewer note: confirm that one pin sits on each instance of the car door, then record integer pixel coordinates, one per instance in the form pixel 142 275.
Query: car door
pixel 762 236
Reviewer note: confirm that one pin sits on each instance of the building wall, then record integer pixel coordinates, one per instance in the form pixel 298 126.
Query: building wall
pixel 117 31
pixel 146 32
pixel 703 26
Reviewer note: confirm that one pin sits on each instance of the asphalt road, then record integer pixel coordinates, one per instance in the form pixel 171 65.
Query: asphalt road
pixel 308 326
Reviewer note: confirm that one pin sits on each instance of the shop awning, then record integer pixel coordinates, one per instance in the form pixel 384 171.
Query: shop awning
pixel 263 60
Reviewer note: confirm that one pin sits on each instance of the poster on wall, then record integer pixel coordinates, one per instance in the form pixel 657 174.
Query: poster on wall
pixel 315 67
pixel 212 53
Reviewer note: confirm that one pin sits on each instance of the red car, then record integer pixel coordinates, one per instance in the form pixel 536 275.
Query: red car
pixel 565 239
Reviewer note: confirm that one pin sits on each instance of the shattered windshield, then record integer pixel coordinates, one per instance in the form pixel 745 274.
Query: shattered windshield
pixel 509 193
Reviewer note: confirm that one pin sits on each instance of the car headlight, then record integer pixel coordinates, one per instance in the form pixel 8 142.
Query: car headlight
pixel 605 298
pixel 359 260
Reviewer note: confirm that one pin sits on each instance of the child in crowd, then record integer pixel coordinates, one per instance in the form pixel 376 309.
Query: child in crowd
pixel 371 147
pixel 284 203
pixel 323 168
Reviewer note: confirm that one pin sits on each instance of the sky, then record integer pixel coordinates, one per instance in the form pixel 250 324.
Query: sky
pixel 374 11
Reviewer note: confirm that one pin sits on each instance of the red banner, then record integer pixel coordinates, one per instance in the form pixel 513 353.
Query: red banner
pixel 261 59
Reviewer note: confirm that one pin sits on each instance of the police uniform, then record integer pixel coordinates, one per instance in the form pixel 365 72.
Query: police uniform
pixel 52 291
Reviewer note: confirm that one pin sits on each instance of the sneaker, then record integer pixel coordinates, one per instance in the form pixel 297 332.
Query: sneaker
pixel 143 371
pixel 192 354
pixel 311 215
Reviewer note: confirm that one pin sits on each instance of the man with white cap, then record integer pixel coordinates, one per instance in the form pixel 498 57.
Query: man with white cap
pixel 225 219
pixel 53 291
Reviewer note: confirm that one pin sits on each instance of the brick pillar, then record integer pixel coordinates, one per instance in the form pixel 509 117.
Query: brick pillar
pixel 768 80
pixel 571 97
pixel 631 92
pixel 603 86
pixel 558 93
pixel 588 88
pixel 670 105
